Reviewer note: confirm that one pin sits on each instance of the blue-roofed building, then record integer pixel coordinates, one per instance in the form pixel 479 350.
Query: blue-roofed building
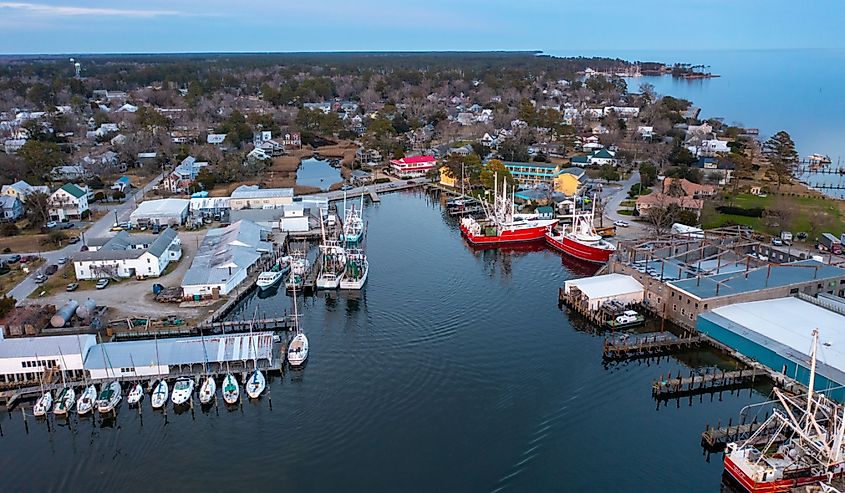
pixel 567 181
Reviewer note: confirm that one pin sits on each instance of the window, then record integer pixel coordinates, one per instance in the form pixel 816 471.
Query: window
pixel 674 307
pixel 793 291
pixel 705 306
pixel 696 306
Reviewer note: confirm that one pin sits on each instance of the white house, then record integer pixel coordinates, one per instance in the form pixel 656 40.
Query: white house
pixel 622 111
pixel 712 147
pixel 413 167
pixel 11 208
pixel 646 133
pixel 596 158
pixel 68 202
pixel 21 189
pixel 215 139
pixel 129 255
pixel 183 174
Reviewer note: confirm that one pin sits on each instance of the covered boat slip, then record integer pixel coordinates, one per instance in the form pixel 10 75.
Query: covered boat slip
pixel 777 333
pixel 183 356
pixel 597 290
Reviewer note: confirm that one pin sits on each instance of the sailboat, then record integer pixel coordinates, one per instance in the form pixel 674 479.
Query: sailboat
pixel 298 347
pixel 109 397
pixel 353 222
pixel 158 399
pixel 45 402
pixel 803 443
pixel 85 403
pixel 67 396
pixel 231 391
pixel 136 391
pixel 255 383
pixel 299 266
pixel 332 262
pixel 209 387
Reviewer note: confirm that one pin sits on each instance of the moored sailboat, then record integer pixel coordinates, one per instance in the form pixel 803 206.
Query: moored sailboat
pixel 208 390
pixel 255 384
pixel 43 404
pixel 109 397
pixel 298 348
pixel 85 403
pixel 230 389
pixel 64 401
pixel 158 399
pixel 136 393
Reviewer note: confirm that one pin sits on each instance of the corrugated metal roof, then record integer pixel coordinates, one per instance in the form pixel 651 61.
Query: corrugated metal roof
pixel 239 244
pixel 254 192
pixel 161 207
pixel 768 277
pixel 181 351
pixel 606 286
pixel 47 346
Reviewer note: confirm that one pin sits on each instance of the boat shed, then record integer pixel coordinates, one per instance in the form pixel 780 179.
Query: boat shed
pixel 592 292
pixel 162 212
pixel 180 356
pixel 26 358
pixel 778 334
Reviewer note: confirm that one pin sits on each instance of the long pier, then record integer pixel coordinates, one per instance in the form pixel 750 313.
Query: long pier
pixel 667 388
pixel 715 439
pixel 617 348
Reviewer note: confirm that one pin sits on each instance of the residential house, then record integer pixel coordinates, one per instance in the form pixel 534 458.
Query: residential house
pixel 446 178
pixel 682 193
pixel 291 140
pixel 12 146
pixel 22 189
pixel 183 175
pixel 324 107
pixel 489 141
pixel 215 139
pixel 122 184
pixel 368 156
pixel 465 118
pixel 596 158
pixel 592 113
pixel 689 188
pixel 645 133
pixel 717 166
pixel 68 202
pixel 271 148
pixel 570 116
pixel 360 178
pixel 622 111
pixel 128 255
pixel 11 208
pixel 69 173
pixel 413 166
pixel 712 147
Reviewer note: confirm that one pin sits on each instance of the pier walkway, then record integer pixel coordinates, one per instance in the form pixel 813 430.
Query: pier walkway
pixel 667 388
pixel 617 348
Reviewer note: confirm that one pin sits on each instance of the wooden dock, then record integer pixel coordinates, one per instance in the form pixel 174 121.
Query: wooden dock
pixel 618 348
pixel 669 387
pixel 715 439
pixel 275 324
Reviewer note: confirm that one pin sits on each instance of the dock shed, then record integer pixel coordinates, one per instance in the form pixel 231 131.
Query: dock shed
pixel 592 292
pixel 27 358
pixel 778 334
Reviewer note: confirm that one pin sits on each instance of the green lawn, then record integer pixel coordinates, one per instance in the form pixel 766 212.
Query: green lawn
pixel 804 213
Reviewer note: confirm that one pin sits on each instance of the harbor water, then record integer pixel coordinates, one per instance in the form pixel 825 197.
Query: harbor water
pixel 313 172
pixel 453 370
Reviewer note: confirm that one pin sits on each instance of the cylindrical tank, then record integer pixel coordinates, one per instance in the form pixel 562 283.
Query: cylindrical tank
pixel 86 309
pixel 64 314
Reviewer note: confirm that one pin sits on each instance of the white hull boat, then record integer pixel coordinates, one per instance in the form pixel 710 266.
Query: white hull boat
pixel 64 402
pixel 357 269
pixel 208 390
pixel 109 397
pixel 298 269
pixel 43 404
pixel 255 384
pixel 135 395
pixel 269 279
pixel 298 350
pixel 159 397
pixel 85 403
pixel 231 391
pixel 182 390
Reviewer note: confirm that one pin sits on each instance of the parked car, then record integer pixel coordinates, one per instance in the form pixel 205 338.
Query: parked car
pixel 801 236
pixel 63 261
pixel 346 187
pixel 4 269
pixel 72 286
pixel 40 278
pixel 51 269
pixel 621 224
pixel 117 227
pixel 777 242
pixel 67 225
pixel 25 259
pixel 72 240
pixel 51 224
pixel 13 259
pixel 102 283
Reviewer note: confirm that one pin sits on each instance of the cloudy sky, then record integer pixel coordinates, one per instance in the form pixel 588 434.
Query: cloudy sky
pixel 94 26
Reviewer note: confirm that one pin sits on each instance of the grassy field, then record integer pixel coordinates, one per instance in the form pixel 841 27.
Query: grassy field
pixel 10 280
pixel 59 281
pixel 804 213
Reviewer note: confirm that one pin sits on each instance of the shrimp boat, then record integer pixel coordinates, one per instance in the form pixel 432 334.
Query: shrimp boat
pixel 299 266
pixel 109 397
pixel 230 389
pixel 64 401
pixel 182 391
pixel 502 224
pixel 805 444
pixel 43 404
pixel 136 393
pixel 85 403
pixel 353 222
pixel 580 239
pixel 298 347
pixel 357 268
pixel 158 399
pixel 332 265
pixel 208 390
pixel 275 274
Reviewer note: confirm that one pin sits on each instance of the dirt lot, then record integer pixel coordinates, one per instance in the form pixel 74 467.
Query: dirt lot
pixel 131 297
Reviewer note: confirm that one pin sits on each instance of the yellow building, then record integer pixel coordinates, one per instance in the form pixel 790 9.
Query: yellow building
pixel 446 178
pixel 567 183
pixel 563 180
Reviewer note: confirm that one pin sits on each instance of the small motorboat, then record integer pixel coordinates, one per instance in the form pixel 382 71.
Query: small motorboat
pixel 85 403
pixel 628 318
pixel 43 404
pixel 135 394
pixel 182 390
pixel 255 384
pixel 109 397
pixel 64 401
pixel 231 391
pixel 269 278
pixel 298 350
pixel 208 389
pixel 158 399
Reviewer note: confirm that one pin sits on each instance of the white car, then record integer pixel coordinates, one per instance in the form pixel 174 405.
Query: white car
pixel 621 224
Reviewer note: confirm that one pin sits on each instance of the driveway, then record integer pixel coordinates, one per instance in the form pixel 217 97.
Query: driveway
pixel 612 204
pixel 98 229
pixel 135 298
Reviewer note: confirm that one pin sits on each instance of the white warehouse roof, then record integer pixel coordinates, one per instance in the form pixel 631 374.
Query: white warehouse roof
pixel 606 286
pixel 161 208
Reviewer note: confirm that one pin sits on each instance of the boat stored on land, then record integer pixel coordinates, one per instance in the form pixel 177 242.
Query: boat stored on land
pixel 109 397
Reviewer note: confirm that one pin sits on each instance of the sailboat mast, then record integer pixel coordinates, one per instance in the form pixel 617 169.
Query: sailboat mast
pixel 158 362
pixel 462 179
pixel 204 351
pixel 82 357
pixel 62 356
pixel 812 376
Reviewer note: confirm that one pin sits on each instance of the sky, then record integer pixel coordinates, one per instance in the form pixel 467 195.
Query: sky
pixel 555 26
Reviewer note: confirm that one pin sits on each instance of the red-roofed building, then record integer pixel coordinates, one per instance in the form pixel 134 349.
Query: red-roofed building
pixel 413 167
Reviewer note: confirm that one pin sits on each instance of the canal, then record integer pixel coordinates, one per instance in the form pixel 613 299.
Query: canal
pixel 314 172
pixel 453 370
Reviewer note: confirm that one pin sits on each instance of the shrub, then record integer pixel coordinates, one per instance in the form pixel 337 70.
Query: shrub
pixel 9 229
pixel 740 211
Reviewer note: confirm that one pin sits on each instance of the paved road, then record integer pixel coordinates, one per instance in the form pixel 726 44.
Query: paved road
pixel 98 229
pixel 612 204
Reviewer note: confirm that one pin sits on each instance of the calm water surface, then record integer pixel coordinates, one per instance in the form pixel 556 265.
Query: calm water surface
pixel 315 172
pixel 454 370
